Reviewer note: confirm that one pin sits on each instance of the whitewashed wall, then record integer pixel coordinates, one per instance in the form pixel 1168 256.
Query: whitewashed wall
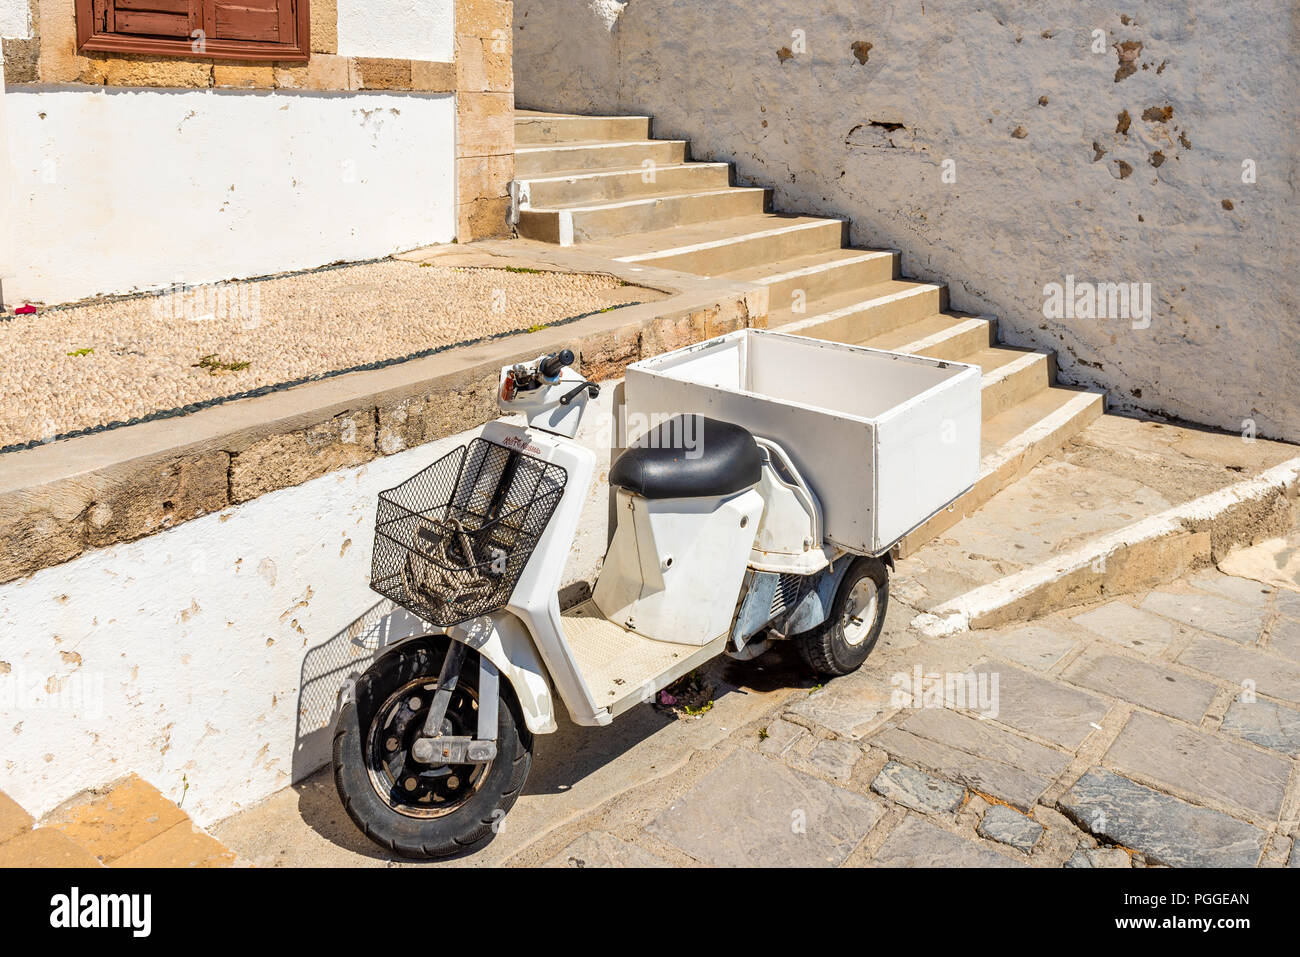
pixel 411 30
pixel 208 658
pixel 959 78
pixel 123 189
pixel 15 18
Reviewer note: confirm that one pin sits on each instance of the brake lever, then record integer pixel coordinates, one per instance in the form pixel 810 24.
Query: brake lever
pixel 592 388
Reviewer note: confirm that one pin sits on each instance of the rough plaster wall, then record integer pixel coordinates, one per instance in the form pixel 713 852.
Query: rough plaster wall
pixel 862 133
pixel 566 55
pixel 122 189
pixel 411 30
pixel 211 655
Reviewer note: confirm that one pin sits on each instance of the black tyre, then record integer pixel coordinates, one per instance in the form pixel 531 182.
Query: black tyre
pixel 414 809
pixel 842 642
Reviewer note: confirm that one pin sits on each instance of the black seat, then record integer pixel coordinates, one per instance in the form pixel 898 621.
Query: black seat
pixel 689 456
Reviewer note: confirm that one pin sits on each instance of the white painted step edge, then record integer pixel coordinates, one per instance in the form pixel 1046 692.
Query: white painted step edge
pixel 867 256
pixel 649 200
pixel 595 145
pixel 954 616
pixel 920 289
pixel 726 241
pixel 621 171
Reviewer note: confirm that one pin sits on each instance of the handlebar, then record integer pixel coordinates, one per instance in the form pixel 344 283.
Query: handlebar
pixel 551 366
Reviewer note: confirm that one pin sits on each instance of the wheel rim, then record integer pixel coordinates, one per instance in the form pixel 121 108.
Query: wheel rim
pixel 860 609
pixel 404 784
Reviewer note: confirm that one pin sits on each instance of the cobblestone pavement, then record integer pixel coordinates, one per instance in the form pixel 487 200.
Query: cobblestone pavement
pixel 1155 729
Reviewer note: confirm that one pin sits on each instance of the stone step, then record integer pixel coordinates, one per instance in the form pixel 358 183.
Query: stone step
pixel 816 287
pixel 819 275
pixel 532 128
pixel 585 187
pixel 1012 443
pixel 548 159
pixel 1011 376
pixel 860 314
pixel 129 824
pixel 566 225
pixel 942 336
pixel 714 249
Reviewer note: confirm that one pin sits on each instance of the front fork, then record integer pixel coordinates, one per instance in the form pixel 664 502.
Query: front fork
pixel 437 747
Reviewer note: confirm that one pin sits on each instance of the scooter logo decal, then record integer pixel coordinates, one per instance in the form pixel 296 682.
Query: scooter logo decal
pixel 521 442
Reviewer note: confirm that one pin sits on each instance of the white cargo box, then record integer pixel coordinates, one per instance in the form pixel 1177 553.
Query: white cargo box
pixel 886 440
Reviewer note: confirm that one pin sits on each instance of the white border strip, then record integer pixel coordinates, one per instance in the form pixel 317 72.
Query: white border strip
pixel 954 616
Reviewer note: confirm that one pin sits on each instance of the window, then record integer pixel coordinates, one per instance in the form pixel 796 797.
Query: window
pixel 210 29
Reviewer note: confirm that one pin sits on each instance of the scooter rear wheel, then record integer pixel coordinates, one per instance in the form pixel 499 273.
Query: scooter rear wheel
pixel 840 644
pixel 414 809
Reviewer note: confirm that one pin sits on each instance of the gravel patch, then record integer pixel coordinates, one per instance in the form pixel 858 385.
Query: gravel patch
pixel 86 366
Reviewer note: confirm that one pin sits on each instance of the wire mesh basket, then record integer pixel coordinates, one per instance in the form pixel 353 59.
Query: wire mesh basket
pixel 452 540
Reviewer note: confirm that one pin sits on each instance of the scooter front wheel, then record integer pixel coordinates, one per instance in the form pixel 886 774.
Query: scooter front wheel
pixel 420 810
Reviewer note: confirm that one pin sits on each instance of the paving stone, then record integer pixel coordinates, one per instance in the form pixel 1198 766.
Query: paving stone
pixel 1201 764
pixel 1284 637
pixel 1268 673
pixel 1295 854
pixel 1246 591
pixel 45 847
pixel 847 706
pixel 1039 706
pixel 918 843
pixel 111 824
pixel 1131 627
pixel 1001 823
pixel 771 816
pixel 1288 602
pixel 1107 857
pixel 917 790
pixel 976 754
pixel 1212 613
pixel 1165 829
pixel 1034 646
pixel 835 758
pixel 13 819
pixel 781 737
pixel 1265 723
pixel 602 849
pixel 1148 685
pixel 182 845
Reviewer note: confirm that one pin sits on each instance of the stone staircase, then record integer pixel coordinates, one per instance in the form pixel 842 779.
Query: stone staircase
pixel 129 824
pixel 604 183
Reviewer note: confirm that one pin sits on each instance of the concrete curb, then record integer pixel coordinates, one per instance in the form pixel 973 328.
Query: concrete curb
pixel 1151 552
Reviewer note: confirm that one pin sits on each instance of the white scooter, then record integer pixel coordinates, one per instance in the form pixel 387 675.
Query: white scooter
pixel 718 549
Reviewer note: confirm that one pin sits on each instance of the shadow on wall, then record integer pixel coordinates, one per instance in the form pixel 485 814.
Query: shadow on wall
pixel 332 666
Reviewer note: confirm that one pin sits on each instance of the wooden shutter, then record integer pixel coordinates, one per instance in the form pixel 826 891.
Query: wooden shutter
pixel 230 29
pixel 263 21
pixel 150 18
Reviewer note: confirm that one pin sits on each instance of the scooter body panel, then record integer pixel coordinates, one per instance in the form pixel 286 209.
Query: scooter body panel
pixel 535 600
pixel 504 641
pixel 675 566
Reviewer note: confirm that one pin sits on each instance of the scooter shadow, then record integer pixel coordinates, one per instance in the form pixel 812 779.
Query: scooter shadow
pixel 562 760
pixel 573 752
